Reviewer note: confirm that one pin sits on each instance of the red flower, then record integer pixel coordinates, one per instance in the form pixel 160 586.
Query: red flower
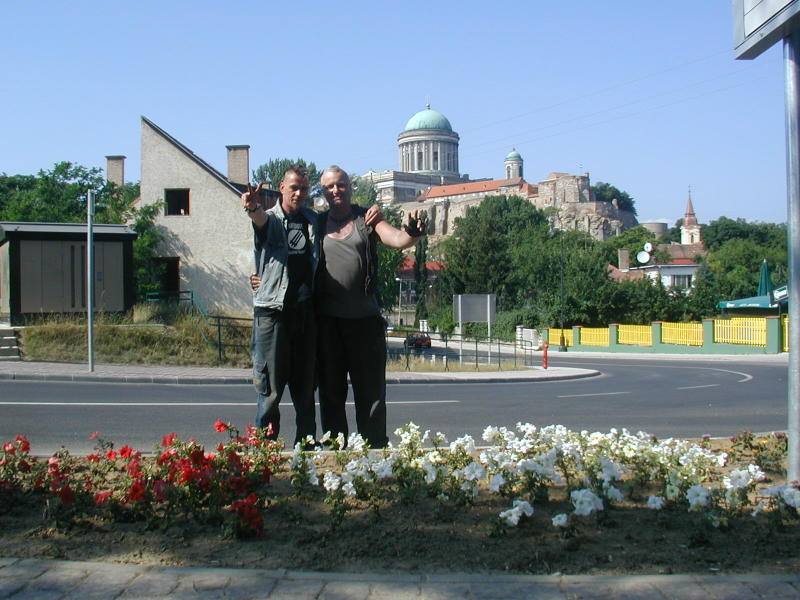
pixel 126 451
pixel 94 436
pixel 22 443
pixel 102 497
pixel 67 495
pixel 95 458
pixel 134 468
pixel 220 426
pixel 136 492
pixel 9 448
pixel 111 455
pixel 160 489
pixel 167 440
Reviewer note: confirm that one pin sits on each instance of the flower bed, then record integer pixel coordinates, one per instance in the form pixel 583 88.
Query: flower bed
pixel 530 500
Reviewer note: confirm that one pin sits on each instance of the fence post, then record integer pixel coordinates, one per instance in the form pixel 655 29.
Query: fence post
pixel 219 339
pixel 774 343
pixel 708 335
pixel 613 336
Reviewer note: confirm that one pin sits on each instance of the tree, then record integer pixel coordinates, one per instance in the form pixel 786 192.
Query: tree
pixel 59 196
pixel 477 255
pixel 605 192
pixel 421 277
pixel 633 239
pixel 718 232
pixel 272 171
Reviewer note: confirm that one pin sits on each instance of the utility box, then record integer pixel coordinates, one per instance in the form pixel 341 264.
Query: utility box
pixel 43 269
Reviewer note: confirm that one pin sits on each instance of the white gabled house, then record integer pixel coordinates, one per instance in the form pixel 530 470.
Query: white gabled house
pixel 208 245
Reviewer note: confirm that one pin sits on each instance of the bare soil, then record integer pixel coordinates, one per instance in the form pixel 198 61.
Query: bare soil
pixel 424 537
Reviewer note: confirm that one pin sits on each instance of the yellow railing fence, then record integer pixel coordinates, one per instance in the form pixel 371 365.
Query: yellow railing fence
pixel 635 335
pixel 594 336
pixel 682 334
pixel 741 330
pixel 554 336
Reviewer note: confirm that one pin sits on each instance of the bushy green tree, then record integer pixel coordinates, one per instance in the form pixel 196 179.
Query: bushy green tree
pixel 272 171
pixel 605 192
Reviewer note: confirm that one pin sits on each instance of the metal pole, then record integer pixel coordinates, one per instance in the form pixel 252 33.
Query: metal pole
pixel 791 56
pixel 489 329
pixel 562 345
pixel 90 277
pixel 460 333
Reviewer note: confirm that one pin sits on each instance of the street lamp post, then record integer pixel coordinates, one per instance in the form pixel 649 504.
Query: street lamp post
pixel 399 299
pixel 562 344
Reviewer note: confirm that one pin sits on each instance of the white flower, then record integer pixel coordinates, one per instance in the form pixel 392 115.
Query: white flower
pixel 610 471
pixel 383 468
pixel 513 514
pixel 585 501
pixel 496 481
pixel 791 495
pixel 759 507
pixel 474 471
pixel 560 520
pixel 655 502
pixel 524 506
pixel 741 478
pixel 331 481
pixel 349 489
pixel 671 491
pixel 465 443
pixel 613 494
pixel 697 496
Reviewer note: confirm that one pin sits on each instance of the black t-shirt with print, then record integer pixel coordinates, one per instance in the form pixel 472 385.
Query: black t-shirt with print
pixel 299 267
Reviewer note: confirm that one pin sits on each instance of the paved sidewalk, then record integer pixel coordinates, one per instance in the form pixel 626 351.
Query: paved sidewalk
pixel 57 579
pixel 52 371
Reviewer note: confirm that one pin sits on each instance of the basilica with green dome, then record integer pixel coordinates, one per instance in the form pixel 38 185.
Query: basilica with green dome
pixel 428 175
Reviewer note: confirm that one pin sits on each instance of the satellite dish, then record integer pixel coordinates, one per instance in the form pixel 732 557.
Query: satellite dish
pixel 643 256
pixel 648 247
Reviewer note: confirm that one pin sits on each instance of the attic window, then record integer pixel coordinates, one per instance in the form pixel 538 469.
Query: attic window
pixel 176 202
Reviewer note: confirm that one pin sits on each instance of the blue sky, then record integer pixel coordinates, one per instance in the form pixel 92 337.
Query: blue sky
pixel 642 94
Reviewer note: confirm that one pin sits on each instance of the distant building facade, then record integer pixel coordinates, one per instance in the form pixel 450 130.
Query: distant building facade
pixel 429 175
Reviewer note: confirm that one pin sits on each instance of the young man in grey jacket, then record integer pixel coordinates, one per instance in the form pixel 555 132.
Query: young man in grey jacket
pixel 287 250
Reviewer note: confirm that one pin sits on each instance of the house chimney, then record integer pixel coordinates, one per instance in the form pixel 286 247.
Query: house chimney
pixel 115 170
pixel 624 259
pixel 239 164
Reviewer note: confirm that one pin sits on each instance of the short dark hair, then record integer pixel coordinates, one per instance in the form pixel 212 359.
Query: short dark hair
pixel 298 170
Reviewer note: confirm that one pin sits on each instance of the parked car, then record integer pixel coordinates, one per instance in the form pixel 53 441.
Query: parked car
pixel 417 341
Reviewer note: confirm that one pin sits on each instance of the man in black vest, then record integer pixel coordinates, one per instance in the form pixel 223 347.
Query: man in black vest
pixel 352 339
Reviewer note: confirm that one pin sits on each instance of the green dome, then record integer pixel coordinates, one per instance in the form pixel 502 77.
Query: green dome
pixel 514 155
pixel 428 119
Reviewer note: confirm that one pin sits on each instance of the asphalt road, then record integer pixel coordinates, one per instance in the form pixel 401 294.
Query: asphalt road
pixel 663 397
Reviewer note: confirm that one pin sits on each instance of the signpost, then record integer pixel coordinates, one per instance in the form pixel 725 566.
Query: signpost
pixel 474 308
pixel 758 24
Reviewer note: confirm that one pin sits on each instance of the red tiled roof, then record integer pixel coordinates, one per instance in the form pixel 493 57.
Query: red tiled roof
pixel 474 187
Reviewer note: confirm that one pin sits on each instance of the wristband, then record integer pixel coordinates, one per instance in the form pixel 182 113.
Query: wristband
pixel 251 210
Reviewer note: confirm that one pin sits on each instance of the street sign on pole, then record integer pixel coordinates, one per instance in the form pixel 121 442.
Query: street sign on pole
pixel 90 277
pixel 758 24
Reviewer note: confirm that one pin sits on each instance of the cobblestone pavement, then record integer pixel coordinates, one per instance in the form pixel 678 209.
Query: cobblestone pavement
pixel 58 579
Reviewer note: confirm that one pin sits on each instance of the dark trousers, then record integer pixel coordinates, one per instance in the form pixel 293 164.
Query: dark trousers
pixel 284 352
pixel 356 347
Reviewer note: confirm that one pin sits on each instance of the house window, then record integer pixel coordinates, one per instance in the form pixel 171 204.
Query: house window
pixel 176 202
pixel 682 281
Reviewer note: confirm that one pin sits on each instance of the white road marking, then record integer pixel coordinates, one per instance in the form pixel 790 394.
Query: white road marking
pixel 694 387
pixel 36 403
pixel 597 394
